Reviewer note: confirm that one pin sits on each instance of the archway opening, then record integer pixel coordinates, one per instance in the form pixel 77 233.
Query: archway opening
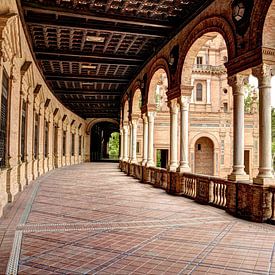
pixel 136 119
pixel 204 156
pixel 157 97
pixel 102 134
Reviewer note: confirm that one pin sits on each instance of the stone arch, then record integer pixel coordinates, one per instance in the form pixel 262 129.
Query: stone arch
pixel 98 120
pixel 268 28
pixel 204 156
pixel 208 135
pixel 159 64
pixel 125 111
pixel 135 110
pixel 158 79
pixel 213 24
pixel 192 53
pixel 258 19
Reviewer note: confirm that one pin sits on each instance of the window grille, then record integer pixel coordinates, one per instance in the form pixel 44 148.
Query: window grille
pixel 46 143
pixel 3 119
pixel 23 131
pixel 64 143
pixel 36 136
pixel 80 145
pixel 73 139
pixel 199 92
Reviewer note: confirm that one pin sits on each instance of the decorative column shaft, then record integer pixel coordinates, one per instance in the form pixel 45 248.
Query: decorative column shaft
pixel 130 142
pixel 125 138
pixel 238 173
pixel 145 139
pixel 121 144
pixel 173 165
pixel 263 73
pixel 184 138
pixel 151 119
pixel 134 141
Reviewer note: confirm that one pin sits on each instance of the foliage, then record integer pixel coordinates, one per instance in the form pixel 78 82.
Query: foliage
pixel 114 145
pixel 158 164
pixel 248 100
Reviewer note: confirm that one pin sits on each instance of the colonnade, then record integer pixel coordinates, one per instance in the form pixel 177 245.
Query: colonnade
pixel 181 105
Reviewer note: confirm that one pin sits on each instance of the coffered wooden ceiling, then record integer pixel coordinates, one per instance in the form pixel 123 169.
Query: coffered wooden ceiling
pixel 89 50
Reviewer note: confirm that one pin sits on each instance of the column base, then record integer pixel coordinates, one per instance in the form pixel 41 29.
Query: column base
pixel 264 181
pixel 144 162
pixel 236 177
pixel 173 167
pixel 150 163
pixel 133 161
pixel 184 169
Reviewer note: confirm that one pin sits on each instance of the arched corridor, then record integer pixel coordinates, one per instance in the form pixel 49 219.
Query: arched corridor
pixel 117 225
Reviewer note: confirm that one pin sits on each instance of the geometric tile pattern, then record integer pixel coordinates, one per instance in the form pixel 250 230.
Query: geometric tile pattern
pixel 93 219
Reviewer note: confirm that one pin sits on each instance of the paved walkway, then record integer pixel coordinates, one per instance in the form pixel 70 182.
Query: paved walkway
pixel 93 219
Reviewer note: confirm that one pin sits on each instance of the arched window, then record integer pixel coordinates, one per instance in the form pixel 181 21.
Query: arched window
pixel 199 92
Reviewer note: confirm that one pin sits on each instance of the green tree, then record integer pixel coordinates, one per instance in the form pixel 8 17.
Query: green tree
pixel 114 145
pixel 248 100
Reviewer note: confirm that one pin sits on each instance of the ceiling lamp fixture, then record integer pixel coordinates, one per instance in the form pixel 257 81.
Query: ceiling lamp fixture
pixel 92 38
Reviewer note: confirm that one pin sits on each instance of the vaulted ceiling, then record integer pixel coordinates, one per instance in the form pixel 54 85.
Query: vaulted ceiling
pixel 90 50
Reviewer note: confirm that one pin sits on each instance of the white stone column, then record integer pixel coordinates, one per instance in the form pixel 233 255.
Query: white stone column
pixel 145 139
pixel 121 143
pixel 130 141
pixel 173 164
pixel 151 122
pixel 208 91
pixel 134 141
pixel 125 150
pixel 184 134
pixel 238 173
pixel 263 73
pixel 50 143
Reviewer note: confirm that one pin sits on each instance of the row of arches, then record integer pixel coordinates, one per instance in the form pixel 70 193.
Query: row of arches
pixel 165 105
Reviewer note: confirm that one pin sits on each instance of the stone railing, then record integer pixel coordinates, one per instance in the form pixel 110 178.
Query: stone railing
pixel 272 191
pixel 203 189
pixel 209 68
pixel 243 199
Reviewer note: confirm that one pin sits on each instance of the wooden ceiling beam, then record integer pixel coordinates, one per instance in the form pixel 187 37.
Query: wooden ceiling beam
pixel 99 17
pixel 98 27
pixel 87 92
pixel 88 79
pixel 84 58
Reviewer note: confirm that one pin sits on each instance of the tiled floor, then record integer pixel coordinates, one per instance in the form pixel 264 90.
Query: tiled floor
pixel 93 219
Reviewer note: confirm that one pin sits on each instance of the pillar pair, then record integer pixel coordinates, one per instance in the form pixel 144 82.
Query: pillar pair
pixel 175 105
pixel 128 141
pixel 263 73
pixel 148 135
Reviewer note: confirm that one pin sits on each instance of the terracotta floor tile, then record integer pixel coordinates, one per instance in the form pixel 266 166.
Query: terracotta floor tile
pixel 91 218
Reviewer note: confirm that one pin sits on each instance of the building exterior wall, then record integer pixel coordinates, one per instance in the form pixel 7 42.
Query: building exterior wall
pixel 26 84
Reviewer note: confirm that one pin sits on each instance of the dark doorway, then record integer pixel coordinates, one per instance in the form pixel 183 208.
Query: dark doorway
pixel 100 137
pixel 162 158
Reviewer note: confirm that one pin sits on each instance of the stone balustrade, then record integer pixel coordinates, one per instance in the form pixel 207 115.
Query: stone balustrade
pixel 242 199
pixel 272 191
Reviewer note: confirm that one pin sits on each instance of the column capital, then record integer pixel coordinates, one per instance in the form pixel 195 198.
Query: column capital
pixel 151 115
pixel 134 122
pixel 184 102
pixel 173 105
pixel 145 118
pixel 264 73
pixel 236 82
